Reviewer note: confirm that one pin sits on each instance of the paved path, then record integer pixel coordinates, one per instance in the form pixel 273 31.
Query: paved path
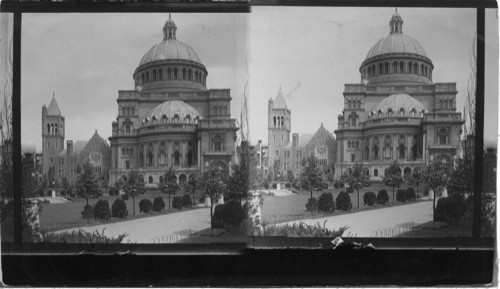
pixel 366 223
pixel 143 230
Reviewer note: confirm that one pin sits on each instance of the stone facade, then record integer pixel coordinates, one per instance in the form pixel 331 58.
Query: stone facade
pixel 397 113
pixel 171 119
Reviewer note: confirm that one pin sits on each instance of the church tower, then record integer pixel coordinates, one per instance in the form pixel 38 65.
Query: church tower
pixel 279 126
pixel 52 134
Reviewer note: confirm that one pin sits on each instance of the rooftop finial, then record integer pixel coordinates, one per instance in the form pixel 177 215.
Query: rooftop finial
pixel 396 23
pixel 53 93
pixel 170 29
pixel 396 10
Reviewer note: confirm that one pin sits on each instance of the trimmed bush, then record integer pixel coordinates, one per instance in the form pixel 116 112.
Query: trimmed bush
pixel 382 197
pixel 40 192
pixel 186 201
pixel 49 193
pixel 145 206
pixel 343 202
pixel 177 203
pixel 88 212
pixel 81 236
pixel 70 193
pixel 341 185
pixel 401 196
pixel 62 193
pixel 113 192
pixel 336 185
pixel 350 190
pixel 275 186
pixel 101 210
pixel 125 197
pixel 312 205
pixel 266 185
pixel 410 194
pixel 119 209
pixel 369 198
pixel 326 203
pixel 426 190
pixel 158 204
pixel 228 215
pixel 288 185
pixel 202 199
pixel 450 209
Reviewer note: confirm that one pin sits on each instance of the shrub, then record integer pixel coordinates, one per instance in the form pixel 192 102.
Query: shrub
pixel 369 198
pixel 336 185
pixel 119 209
pixel 101 210
pixel 312 205
pixel 450 209
pixel 426 190
pixel 343 201
pixel 177 203
pixel 45 201
pixel 81 236
pixel 301 230
pixel 88 212
pixel 341 185
pixel 40 192
pixel 186 201
pixel 382 197
pixel 70 193
pixel 410 194
pixel 401 196
pixel 63 192
pixel 145 206
pixel 228 215
pixel 275 186
pixel 266 185
pixel 158 204
pixel 125 197
pixel 49 193
pixel 350 190
pixel 202 199
pixel 326 203
pixel 113 192
pixel 367 184
pixel 288 185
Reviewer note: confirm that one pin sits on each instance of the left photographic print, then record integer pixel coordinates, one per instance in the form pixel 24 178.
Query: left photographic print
pixel 130 123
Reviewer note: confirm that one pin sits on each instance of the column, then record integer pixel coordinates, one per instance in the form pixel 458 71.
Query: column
pixel 184 153
pixel 144 155
pixel 169 153
pixel 155 158
pixel 198 157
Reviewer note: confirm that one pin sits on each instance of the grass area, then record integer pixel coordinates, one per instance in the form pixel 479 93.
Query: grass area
pixel 440 230
pixel 290 208
pixel 218 235
pixel 55 217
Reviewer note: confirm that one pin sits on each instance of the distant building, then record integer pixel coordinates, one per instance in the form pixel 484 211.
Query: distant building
pixel 287 155
pixel 397 113
pixel 59 163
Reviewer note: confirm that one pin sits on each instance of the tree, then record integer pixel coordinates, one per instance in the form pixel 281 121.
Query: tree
pixel 213 182
pixel 65 183
pixel 169 184
pixel 237 185
pixel 133 186
pixel 392 177
pixel 311 176
pixel 462 177
pixel 86 183
pixel 191 185
pixel 290 176
pixel 436 175
pixel 416 178
pixel 355 178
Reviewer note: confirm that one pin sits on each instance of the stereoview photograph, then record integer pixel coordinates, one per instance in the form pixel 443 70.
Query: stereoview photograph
pixel 288 121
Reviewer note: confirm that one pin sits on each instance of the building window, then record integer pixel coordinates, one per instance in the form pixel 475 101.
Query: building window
pixel 402 151
pixel 177 158
pixel 375 173
pixel 51 159
pixel 353 157
pixel 277 152
pixel 217 141
pixel 443 136
pixel 127 165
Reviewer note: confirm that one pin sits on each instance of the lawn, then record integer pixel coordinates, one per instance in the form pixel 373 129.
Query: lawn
pixel 55 217
pixel 440 230
pixel 293 207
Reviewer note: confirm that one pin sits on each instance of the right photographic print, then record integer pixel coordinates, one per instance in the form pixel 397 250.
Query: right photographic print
pixel 362 121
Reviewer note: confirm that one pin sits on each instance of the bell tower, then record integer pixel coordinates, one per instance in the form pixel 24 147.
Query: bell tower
pixel 279 127
pixel 52 134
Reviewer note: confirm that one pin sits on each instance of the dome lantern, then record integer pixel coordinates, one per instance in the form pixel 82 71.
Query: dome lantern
pixel 170 29
pixel 396 23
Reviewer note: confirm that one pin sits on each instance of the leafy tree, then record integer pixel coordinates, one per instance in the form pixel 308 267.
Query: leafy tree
pixel 133 186
pixel 65 183
pixel 237 185
pixel 437 176
pixel 213 182
pixel 87 183
pixel 355 178
pixel 169 184
pixel 311 176
pixel 51 176
pixel 191 185
pixel 290 177
pixel 462 177
pixel 392 177
pixel 416 177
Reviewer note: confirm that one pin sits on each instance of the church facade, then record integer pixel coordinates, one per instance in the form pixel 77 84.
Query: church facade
pixel 171 119
pixel 285 154
pixel 397 113
pixel 58 162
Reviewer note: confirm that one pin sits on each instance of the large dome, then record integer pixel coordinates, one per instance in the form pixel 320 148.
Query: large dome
pixel 170 49
pixel 396 102
pixel 396 43
pixel 172 108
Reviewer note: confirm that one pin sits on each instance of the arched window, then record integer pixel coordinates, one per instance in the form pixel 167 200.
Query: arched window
pixel 386 71
pixel 132 110
pixel 177 158
pixel 390 112
pixel 375 173
pixel 401 111
pixel 441 104
pixel 282 122
pixel 349 144
pixel 422 69
pixel 414 152
pixel 217 142
pixel 160 74
pixel 176 73
pixel 124 152
pixel 182 179
pixel 410 67
pixel 190 75
pixel 128 110
pixel 379 113
pixel 176 118
pixel 154 74
pixel 184 75
pixel 443 136
pixel 359 104
pixel 349 104
pixel 147 76
pixel 150 179
pixel 402 150
pixel 55 131
pixel 150 159
pixel 124 110
pixel 48 128
pixel 394 67
pixel 169 73
pixel 380 68
pixel 274 118
pixel 188 118
pixel 415 69
pixel 367 153
pixel 401 67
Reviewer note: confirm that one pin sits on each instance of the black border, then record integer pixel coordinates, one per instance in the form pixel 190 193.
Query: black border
pixel 439 264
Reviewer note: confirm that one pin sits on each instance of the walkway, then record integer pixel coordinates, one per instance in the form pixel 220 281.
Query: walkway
pixel 365 223
pixel 143 230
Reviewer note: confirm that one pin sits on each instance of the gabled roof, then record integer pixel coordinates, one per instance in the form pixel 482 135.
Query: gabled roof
pixel 279 101
pixel 304 139
pixel 79 145
pixel 53 108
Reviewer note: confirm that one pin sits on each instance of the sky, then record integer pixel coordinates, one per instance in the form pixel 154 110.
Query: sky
pixel 86 58
pixel 312 52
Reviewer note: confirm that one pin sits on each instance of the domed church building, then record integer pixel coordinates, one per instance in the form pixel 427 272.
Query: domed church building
pixel 171 119
pixel 397 112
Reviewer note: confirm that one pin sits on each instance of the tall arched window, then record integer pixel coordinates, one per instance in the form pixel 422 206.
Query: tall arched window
pixel 154 74
pixel 150 179
pixel 160 74
pixel 282 122
pixel 217 142
pixel 394 67
pixel 401 67
pixel 48 128
pixel 132 110
pixel 128 110
pixel 380 68
pixel 386 71
pixel 410 67
pixel 401 111
pixel 176 73
pixel 190 75
pixel 147 76
pixel 169 73
pixel 373 70
pixel 359 104
pixel 150 159
pixel 375 152
pixel 184 74
pixel 274 118
pixel 176 118
pixel 349 104
pixel 402 150
pixel 415 69
pixel 375 173
pixel 422 69
pixel 177 158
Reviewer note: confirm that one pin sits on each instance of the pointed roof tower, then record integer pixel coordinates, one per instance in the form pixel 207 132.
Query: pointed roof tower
pixel 279 101
pixel 53 108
